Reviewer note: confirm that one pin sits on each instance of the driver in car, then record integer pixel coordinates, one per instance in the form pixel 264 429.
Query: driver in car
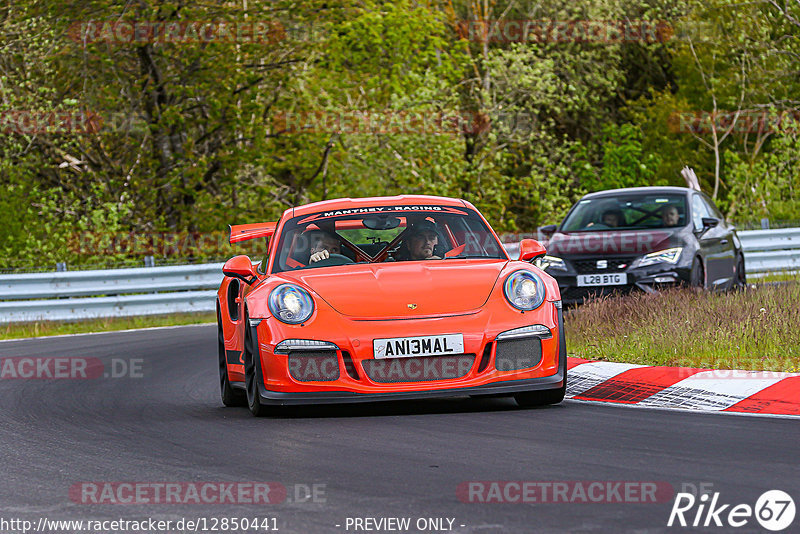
pixel 613 218
pixel 323 244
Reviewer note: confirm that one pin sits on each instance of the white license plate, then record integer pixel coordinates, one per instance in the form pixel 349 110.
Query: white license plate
pixel 410 347
pixel 616 279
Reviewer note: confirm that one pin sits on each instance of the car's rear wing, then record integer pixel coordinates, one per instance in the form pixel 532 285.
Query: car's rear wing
pixel 245 232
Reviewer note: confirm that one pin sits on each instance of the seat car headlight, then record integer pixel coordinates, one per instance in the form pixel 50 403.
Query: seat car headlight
pixel 551 262
pixel 669 255
pixel 524 290
pixel 290 304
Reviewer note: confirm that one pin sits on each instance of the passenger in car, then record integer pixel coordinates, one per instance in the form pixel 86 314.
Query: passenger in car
pixel 670 215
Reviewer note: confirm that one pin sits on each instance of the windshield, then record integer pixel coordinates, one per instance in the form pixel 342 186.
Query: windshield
pixel 626 212
pixel 384 234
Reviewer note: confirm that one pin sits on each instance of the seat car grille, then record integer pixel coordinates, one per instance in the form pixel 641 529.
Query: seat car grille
pixel 615 264
pixel 307 366
pixel 424 369
pixel 516 354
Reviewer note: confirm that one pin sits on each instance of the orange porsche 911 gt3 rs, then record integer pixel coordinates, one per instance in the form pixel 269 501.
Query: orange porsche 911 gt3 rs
pixel 386 298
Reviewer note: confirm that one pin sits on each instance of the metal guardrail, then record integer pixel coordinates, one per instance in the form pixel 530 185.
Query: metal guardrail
pixel 95 307
pixel 765 251
pixel 771 251
pixel 58 296
pixel 110 282
pixel 108 293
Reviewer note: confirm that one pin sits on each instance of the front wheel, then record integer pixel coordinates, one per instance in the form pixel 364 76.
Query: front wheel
pixel 230 396
pixel 528 399
pixel 698 275
pixel 251 372
pixel 740 280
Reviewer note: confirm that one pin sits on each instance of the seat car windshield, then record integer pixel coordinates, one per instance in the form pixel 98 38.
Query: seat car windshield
pixel 384 234
pixel 628 212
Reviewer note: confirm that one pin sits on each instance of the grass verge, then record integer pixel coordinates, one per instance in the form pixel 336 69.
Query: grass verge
pixel 54 328
pixel 754 329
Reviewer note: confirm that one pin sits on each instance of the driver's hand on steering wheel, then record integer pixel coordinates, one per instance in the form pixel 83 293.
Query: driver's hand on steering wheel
pixel 319 256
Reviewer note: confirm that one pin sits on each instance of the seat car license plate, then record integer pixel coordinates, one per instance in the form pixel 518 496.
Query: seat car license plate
pixel 410 347
pixel 616 279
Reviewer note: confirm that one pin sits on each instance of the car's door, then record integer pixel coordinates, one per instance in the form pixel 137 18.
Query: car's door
pixel 727 245
pixel 710 242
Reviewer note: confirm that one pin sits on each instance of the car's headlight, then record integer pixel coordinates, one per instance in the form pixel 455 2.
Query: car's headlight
pixel 291 304
pixel 669 255
pixel 551 262
pixel 524 290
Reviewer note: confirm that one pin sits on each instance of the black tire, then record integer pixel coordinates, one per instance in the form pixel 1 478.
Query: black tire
pixel 231 396
pixel 697 277
pixel 529 399
pixel 740 280
pixel 252 374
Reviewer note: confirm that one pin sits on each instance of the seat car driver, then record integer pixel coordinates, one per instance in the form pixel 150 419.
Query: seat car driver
pixel 323 244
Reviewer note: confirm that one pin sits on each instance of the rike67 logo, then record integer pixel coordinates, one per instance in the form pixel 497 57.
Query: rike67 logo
pixel 774 510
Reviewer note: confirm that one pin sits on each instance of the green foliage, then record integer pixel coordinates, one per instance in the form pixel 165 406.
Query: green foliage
pixel 193 133
pixel 769 186
pixel 624 161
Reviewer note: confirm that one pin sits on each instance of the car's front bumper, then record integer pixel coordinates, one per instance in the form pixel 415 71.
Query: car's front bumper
pixel 648 279
pixel 331 397
pixel 549 374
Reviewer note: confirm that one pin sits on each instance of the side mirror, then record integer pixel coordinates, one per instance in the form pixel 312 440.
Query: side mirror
pixel 530 249
pixel 242 268
pixel 708 224
pixel 548 230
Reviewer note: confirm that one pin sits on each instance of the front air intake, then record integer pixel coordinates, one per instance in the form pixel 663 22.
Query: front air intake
pixel 308 366
pixel 516 354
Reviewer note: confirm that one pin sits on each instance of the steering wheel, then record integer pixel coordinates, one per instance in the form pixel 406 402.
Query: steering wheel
pixel 333 259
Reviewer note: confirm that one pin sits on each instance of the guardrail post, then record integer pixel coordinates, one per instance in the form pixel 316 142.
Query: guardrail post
pixel 149 261
pixel 765 224
pixel 61 267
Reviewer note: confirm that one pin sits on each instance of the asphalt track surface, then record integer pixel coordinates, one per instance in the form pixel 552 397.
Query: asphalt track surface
pixel 399 459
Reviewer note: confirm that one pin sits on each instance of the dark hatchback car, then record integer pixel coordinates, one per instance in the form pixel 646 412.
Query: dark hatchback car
pixel 642 238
